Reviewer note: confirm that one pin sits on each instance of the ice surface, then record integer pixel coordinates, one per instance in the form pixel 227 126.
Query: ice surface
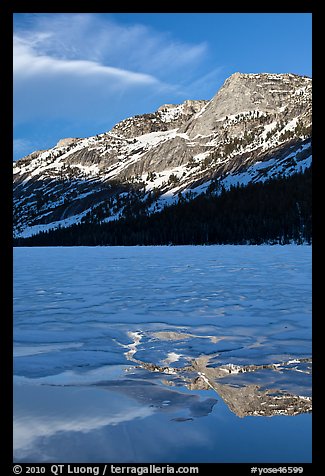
pixel 81 306
pixel 132 320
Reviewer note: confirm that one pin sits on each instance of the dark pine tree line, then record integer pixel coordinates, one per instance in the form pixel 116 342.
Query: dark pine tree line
pixel 277 211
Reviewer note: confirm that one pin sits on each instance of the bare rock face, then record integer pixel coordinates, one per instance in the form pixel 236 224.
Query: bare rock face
pixel 247 399
pixel 66 142
pixel 256 127
pixel 266 93
pixel 167 116
pixel 188 108
pixel 172 153
pixel 242 398
pixel 242 108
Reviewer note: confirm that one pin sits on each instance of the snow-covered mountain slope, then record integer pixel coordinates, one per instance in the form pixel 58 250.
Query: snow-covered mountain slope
pixel 256 127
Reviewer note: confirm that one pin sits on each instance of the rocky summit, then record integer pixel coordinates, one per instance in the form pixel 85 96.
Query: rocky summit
pixel 256 127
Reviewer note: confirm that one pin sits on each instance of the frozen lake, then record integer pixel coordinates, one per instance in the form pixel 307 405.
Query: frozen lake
pixel 162 354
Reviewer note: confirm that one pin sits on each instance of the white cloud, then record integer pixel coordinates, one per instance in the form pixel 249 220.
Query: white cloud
pixel 28 63
pixel 93 45
pixel 82 65
pixel 48 87
pixel 104 411
pixel 98 38
pixel 77 74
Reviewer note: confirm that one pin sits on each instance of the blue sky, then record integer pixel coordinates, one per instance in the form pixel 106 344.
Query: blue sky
pixel 76 75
